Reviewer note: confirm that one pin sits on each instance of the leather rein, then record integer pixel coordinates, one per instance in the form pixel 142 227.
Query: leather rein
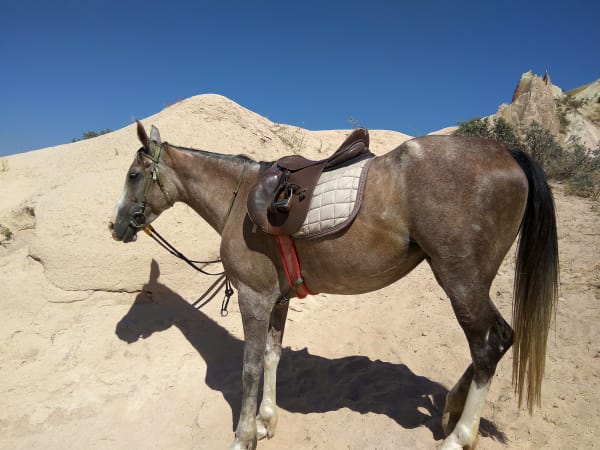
pixel 138 221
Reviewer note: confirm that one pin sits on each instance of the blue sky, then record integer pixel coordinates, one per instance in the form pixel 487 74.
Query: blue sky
pixel 67 67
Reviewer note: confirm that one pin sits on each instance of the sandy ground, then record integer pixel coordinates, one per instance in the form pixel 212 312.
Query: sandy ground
pixel 102 348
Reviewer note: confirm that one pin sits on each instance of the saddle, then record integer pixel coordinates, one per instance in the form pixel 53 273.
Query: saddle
pixel 279 200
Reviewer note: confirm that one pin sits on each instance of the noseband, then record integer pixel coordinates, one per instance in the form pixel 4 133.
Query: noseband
pixel 138 219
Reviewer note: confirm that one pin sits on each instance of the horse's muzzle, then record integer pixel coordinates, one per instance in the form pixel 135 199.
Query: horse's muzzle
pixel 129 234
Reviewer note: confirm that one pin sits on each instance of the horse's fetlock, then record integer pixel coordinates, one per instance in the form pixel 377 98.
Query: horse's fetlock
pixel 267 410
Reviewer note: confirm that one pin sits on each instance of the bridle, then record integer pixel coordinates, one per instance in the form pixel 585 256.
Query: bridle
pixel 138 219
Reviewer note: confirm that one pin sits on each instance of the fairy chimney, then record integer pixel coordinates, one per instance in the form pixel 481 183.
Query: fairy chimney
pixel 533 100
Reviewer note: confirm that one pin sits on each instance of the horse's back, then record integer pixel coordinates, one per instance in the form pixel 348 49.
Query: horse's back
pixel 444 173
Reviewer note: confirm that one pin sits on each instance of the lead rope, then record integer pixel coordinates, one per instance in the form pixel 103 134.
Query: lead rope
pixel 215 287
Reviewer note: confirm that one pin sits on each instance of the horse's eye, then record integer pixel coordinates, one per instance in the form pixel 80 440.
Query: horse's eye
pixel 133 175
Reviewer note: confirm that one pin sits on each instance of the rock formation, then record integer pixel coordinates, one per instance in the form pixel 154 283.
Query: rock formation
pixel 568 115
pixel 584 121
pixel 533 100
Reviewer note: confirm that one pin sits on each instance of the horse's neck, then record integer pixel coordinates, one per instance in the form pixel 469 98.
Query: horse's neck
pixel 207 182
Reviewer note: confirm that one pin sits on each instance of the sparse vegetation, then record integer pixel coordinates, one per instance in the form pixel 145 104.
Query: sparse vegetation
pixel 570 103
pixel 572 163
pixel 475 127
pixel 92 134
pixel 595 114
pixel 566 104
pixel 354 123
pixel 503 131
pixel 293 137
pixel 3 165
pixel 5 235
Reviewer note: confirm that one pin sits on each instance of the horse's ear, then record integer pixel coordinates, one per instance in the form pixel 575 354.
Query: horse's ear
pixel 143 137
pixel 155 135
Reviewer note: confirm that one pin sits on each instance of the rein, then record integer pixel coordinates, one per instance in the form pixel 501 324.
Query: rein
pixel 215 288
pixel 138 222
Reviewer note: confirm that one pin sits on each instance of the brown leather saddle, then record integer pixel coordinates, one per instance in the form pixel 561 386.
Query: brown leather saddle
pixel 279 201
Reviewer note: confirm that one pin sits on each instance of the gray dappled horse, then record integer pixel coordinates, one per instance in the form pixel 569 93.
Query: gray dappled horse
pixel 458 203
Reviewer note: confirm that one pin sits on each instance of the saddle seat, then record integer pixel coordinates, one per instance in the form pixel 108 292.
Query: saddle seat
pixel 279 200
pixel 355 145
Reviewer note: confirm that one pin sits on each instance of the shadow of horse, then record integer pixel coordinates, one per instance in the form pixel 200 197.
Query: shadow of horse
pixel 306 383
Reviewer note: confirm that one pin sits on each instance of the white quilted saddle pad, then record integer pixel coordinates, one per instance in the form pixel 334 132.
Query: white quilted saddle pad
pixel 335 200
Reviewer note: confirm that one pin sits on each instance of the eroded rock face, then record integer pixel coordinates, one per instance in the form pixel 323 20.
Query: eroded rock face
pixel 533 100
pixel 537 99
pixel 585 121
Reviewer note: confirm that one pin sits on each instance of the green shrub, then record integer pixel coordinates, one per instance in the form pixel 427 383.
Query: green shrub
pixel 569 103
pixel 477 127
pixel 92 134
pixel 541 145
pixel 504 132
pixel 583 170
pixel 565 104
pixel 5 235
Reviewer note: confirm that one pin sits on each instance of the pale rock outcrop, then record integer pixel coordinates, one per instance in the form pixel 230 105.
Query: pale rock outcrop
pixel 585 121
pixel 533 100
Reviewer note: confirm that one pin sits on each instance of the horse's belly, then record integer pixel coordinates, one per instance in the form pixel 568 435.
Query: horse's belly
pixel 342 266
pixel 374 251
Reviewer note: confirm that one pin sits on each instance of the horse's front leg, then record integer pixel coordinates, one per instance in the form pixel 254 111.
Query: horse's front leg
pixel 266 421
pixel 255 310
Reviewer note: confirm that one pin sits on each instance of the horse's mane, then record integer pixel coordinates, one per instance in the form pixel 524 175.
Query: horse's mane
pixel 240 157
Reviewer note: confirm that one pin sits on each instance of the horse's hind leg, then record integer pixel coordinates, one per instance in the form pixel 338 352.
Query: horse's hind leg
pixel 266 421
pixel 489 337
pixel 455 401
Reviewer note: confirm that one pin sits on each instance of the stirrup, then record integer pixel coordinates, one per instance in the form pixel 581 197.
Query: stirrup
pixel 281 206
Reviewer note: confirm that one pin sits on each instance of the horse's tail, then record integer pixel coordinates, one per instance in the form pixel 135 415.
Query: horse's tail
pixel 536 284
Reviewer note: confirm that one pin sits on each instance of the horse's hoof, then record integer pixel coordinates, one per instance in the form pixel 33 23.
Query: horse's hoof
pixel 243 445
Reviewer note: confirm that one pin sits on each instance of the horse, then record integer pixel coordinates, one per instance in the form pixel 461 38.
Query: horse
pixel 457 203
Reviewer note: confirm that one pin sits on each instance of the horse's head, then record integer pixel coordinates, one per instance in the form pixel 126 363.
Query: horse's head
pixel 148 191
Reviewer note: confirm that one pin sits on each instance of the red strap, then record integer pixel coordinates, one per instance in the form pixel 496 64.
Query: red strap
pixel 291 266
